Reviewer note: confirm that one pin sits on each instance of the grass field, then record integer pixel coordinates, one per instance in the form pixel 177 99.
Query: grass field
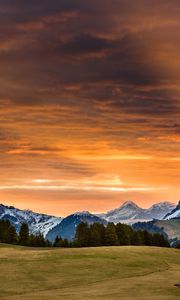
pixel 94 273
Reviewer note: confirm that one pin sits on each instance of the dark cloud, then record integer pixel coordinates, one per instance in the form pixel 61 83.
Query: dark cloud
pixel 111 60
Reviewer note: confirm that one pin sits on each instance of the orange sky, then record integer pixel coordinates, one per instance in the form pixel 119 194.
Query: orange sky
pixel 89 104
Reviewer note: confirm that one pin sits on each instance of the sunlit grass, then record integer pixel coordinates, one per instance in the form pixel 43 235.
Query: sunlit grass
pixel 99 273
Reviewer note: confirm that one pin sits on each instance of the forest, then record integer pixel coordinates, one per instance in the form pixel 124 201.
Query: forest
pixel 94 235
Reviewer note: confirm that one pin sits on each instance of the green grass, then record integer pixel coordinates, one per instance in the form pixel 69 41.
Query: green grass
pixel 94 273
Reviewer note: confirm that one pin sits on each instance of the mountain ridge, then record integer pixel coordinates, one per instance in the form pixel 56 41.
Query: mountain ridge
pixel 38 223
pixel 67 228
pixel 129 212
pixel 175 213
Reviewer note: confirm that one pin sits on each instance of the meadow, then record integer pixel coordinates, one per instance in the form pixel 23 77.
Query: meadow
pixel 89 273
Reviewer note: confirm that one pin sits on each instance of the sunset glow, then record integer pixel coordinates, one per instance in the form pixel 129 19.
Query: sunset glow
pixel 89 104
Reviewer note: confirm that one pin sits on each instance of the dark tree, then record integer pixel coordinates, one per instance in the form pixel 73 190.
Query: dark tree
pixel 163 242
pixel 7 232
pixel 148 238
pixel 178 245
pixel 12 235
pixel 124 233
pixel 111 238
pixel 97 235
pixel 65 243
pixel 82 237
pixel 137 238
pixel 57 241
pixel 38 241
pixel 24 235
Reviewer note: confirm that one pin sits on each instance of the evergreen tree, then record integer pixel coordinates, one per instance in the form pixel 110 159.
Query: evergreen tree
pixel 178 245
pixel 48 244
pixel 57 241
pixel 65 243
pixel 4 224
pixel 40 241
pixel 24 235
pixel 82 237
pixel 124 233
pixel 136 238
pixel 7 232
pixel 32 240
pixel 12 235
pixel 111 238
pixel 148 238
pixel 97 235
pixel 160 241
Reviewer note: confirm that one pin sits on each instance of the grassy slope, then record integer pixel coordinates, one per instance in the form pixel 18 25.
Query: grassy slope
pixel 96 273
pixel 171 227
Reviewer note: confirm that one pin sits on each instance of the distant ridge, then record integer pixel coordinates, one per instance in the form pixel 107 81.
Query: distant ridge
pixel 130 212
pixel 175 213
pixel 50 226
pixel 37 222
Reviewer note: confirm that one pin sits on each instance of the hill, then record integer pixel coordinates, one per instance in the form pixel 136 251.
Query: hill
pixel 130 273
pixel 171 228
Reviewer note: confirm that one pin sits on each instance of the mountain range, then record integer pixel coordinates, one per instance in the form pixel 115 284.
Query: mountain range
pixel 51 226
pixel 38 223
pixel 131 213
pixel 169 226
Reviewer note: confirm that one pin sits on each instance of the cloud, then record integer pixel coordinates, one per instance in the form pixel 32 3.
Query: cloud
pixel 85 81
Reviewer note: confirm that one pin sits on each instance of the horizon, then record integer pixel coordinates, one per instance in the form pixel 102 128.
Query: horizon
pixel 89 104
pixel 93 212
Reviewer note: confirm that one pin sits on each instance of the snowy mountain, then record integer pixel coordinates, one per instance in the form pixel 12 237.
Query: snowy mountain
pixel 128 211
pixel 51 226
pixel 67 228
pixel 37 222
pixel 131 213
pixel 174 214
pixel 157 211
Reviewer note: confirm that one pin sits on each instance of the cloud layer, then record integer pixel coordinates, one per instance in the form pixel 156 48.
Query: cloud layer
pixel 90 88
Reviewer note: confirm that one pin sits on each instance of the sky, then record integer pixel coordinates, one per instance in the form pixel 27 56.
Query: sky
pixel 89 104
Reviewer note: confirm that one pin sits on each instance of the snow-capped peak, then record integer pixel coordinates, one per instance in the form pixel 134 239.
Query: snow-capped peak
pixel 175 213
pixel 130 212
pixel 129 204
pixel 162 205
pixel 37 222
pixel 82 213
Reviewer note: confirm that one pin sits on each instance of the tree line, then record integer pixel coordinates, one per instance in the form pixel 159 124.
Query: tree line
pixel 94 235
pixel 9 235
pixel 116 235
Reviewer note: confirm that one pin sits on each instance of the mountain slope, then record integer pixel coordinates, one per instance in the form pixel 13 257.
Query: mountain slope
pixel 128 211
pixel 131 213
pixel 171 228
pixel 67 228
pixel 37 222
pixel 51 226
pixel 175 213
